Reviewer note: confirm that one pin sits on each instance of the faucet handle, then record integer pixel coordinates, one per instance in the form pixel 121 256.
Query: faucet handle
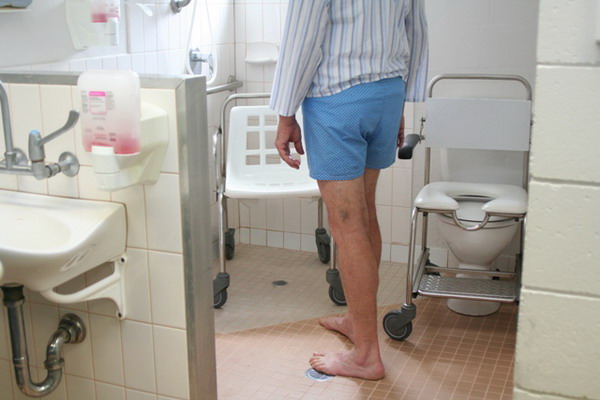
pixel 71 121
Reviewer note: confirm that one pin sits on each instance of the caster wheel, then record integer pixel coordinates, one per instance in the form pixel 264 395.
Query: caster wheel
pixel 337 297
pixel 229 244
pixel 392 326
pixel 322 240
pixel 220 299
pixel 324 252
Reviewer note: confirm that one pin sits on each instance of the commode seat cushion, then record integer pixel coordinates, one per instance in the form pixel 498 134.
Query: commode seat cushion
pixel 505 199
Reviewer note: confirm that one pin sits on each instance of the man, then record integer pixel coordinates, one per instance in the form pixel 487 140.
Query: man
pixel 350 63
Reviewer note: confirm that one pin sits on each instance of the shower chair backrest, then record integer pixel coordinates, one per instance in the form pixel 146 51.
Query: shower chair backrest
pixel 254 169
pixel 478 123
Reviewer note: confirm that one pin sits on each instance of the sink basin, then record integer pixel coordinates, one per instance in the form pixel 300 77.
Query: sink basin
pixel 46 241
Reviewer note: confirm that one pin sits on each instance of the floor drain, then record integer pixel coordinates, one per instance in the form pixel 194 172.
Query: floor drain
pixel 279 283
pixel 315 375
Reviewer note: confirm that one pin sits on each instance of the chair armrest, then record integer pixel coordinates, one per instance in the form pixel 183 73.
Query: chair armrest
pixel 405 151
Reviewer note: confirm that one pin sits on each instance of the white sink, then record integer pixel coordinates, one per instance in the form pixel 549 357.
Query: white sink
pixel 46 241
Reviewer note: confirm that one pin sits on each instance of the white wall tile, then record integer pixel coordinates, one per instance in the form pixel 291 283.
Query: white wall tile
pixel 274 214
pixel 385 185
pixel 93 63
pixel 105 335
pixel 308 215
pixel 291 215
pixel 275 239
pixel 25 113
pixel 138 360
pixel 567 32
pixel 124 61
pixel 384 217
pixel 136 395
pixel 6 382
pixel 80 388
pixel 88 185
pixel 386 252
pixel 137 283
pixel 244 235
pixel 308 243
pixel 109 62
pixel 549 157
pixel 55 102
pixel 572 337
pixel 167 288
pixel 401 192
pixel 254 24
pixel 561 219
pixel 171 350
pixel 401 225
pixel 27 183
pixel 134 201
pixel 105 391
pixel 258 214
pixel 292 241
pixel 258 237
pixel 399 253
pixel 7 181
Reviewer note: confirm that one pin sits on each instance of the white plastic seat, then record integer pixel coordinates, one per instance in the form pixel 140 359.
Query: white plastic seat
pixel 254 168
pixel 505 199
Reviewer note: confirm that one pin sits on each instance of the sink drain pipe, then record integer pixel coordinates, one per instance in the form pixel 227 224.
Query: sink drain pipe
pixel 71 329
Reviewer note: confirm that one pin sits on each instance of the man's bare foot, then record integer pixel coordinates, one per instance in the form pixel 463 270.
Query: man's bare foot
pixel 338 324
pixel 346 364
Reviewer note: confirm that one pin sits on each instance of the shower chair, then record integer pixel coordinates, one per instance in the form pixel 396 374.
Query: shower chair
pixel 248 166
pixel 424 277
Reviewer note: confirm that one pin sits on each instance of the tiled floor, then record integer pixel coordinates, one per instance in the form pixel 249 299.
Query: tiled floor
pixel 448 356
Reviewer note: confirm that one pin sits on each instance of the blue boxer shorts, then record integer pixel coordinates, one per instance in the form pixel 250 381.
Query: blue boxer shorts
pixel 352 130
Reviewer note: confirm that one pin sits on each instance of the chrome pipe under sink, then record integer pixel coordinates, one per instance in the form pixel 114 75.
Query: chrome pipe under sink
pixel 71 329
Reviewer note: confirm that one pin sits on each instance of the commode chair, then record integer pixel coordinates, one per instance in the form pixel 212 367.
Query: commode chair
pixel 251 168
pixel 480 204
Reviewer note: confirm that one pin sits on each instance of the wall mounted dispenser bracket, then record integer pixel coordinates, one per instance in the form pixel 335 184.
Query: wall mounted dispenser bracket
pixel 119 171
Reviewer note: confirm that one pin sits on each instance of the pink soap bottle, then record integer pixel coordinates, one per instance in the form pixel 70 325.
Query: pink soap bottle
pixel 110 110
pixel 103 10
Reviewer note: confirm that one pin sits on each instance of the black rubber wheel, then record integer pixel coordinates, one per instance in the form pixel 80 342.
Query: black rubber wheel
pixel 324 252
pixel 220 299
pixel 229 251
pixel 337 298
pixel 229 244
pixel 392 326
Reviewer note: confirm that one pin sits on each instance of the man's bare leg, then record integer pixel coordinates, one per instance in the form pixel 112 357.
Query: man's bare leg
pixel 341 324
pixel 358 256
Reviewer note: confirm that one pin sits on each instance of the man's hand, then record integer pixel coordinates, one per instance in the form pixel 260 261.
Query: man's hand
pixel 401 132
pixel 288 131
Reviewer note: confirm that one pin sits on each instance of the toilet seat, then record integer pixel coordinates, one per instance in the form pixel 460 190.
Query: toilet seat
pixel 504 199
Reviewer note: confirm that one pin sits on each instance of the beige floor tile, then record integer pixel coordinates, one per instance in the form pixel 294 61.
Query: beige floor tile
pixel 266 334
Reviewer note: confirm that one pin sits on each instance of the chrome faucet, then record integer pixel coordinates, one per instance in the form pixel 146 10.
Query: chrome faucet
pixel 15 161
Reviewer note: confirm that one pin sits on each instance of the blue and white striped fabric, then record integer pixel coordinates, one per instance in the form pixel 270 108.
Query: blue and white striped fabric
pixel 331 45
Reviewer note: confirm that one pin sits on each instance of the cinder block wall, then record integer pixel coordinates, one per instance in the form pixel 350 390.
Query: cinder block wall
pixel 558 342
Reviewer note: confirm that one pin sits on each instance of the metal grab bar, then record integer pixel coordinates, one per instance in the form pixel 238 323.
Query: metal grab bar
pixel 229 86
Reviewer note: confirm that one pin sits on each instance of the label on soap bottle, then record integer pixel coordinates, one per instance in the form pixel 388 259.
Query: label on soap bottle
pixel 110 112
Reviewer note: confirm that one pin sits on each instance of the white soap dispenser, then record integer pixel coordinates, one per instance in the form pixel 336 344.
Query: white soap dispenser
pixel 127 139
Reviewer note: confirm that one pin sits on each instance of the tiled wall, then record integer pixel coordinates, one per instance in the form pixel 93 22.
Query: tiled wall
pixel 558 340
pixel 135 358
